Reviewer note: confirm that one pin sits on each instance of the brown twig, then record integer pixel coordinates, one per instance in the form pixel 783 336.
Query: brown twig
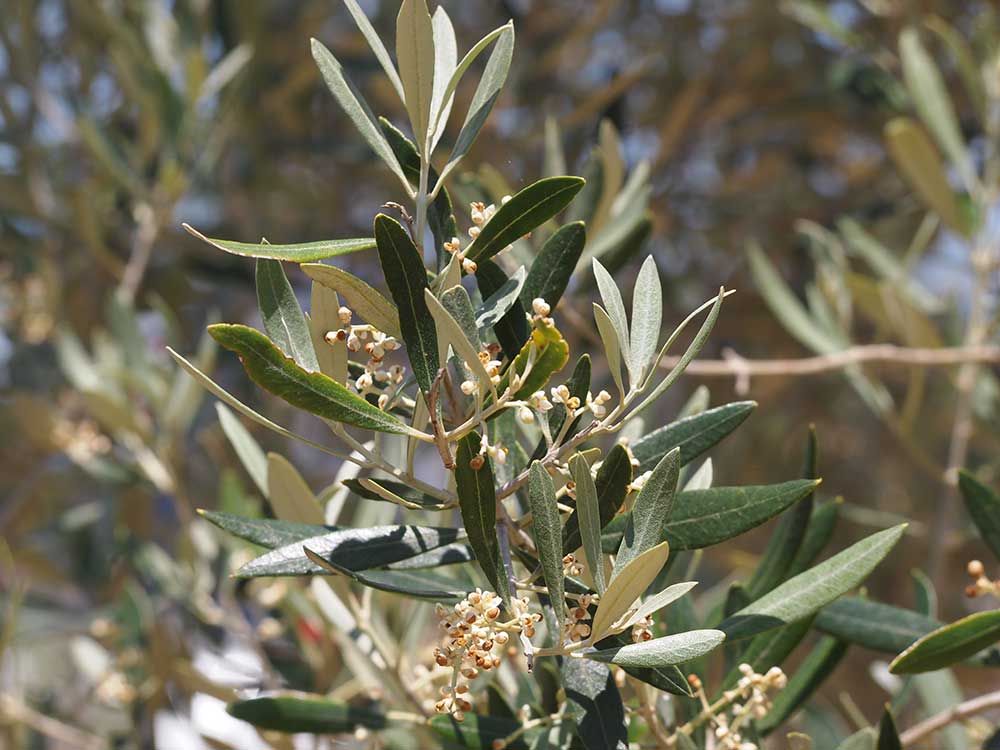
pixel 440 439
pixel 958 712
pixel 732 365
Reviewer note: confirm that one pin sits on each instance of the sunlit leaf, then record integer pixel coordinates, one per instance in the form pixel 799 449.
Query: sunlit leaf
pixel 662 652
pixel 304 252
pixel 650 511
pixel 546 528
pixel 293 714
pixel 361 298
pixel 283 319
pixel 589 518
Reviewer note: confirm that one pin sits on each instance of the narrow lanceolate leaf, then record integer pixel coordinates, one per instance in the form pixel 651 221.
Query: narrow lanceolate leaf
pixel 354 549
pixel 297 713
pixel 651 510
pixel 922 166
pixel 628 586
pixel 386 490
pixel 332 355
pixel 407 279
pixel 478 502
pixel 615 307
pixel 808 592
pixel 932 101
pixel 487 92
pixel 613 479
pixel 647 314
pixel 512 328
pixel 589 518
pixel 553 266
pixel 361 298
pixel 822 524
pixel 450 331
pixel 415 53
pixel 662 652
pixel 547 351
pixel 668 678
pixel 612 345
pixel 874 625
pixel 413 584
pixel 694 348
pixel 655 603
pixel 312 391
pixel 595 705
pixel 546 528
pixel 264 532
pixel 496 305
pixel 377 47
pixel 816 667
pixel 289 495
pixel 445 63
pixel 283 319
pixel 888 734
pixel 527 210
pixel 701 518
pixel 354 106
pixel 983 505
pixel 301 253
pixel 247 448
pixel 949 644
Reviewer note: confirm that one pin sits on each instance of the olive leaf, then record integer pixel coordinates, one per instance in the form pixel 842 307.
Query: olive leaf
pixel 626 587
pixel 651 510
pixel 293 714
pixel 360 297
pixel 247 448
pixel 289 495
pixel 647 313
pixel 283 319
pixel 662 652
pixel 554 265
pixel 949 644
pixel 415 54
pixel 589 517
pixel 546 528
pixel 694 434
pixel 298 253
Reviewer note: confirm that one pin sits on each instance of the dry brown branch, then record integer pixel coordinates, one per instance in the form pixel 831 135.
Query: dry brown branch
pixel 958 712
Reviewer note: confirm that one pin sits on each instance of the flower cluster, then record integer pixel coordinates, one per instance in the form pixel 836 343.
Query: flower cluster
pixel 598 404
pixel 376 344
pixel 981 585
pixel 541 310
pixel 750 699
pixel 474 639
pixel 642 630
pixel 575 628
pixel 491 364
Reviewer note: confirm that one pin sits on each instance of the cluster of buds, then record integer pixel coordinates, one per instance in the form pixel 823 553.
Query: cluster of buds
pixel 481 214
pixel 495 451
pixel 981 585
pixel 536 402
pixel 491 364
pixel 642 630
pixel 598 404
pixel 541 310
pixel 748 700
pixel 561 395
pixel 455 248
pixel 575 628
pixel 376 344
pixel 525 620
pixel 572 567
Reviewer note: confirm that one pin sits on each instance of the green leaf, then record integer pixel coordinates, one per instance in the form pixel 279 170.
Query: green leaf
pixel 293 714
pixel 414 584
pixel 289 495
pixel 548 353
pixel 487 92
pixel 527 210
pixel 949 644
pixel 478 503
pixel 377 47
pixel 612 345
pixel 626 587
pixel 415 54
pixel 354 106
pixel 650 511
pixel 693 435
pixel 655 603
pixel 881 627
pixel 921 165
pixel 662 652
pixel 479 732
pixel 812 590
pixel 324 307
pixel 595 705
pixel 361 298
pixel 615 307
pixel 496 305
pixel 589 518
pixel 353 549
pixel 931 100
pixel 888 735
pixel 264 532
pixel 301 253
pixel 647 314
pixel 512 329
pixel 386 490
pixel 312 391
pixel 694 348
pixel 445 64
pixel 863 739
pixel 702 518
pixel 406 277
pixel 613 479
pixel 983 505
pixel 669 678
pixel 450 331
pixel 813 671
pixel 546 528
pixel 247 448
pixel 283 319
pixel 553 266
pixel 822 524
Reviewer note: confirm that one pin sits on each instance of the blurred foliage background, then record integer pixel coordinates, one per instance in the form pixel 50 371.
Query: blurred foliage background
pixel 121 119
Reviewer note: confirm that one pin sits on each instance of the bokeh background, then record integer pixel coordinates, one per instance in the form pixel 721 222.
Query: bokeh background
pixel 760 121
